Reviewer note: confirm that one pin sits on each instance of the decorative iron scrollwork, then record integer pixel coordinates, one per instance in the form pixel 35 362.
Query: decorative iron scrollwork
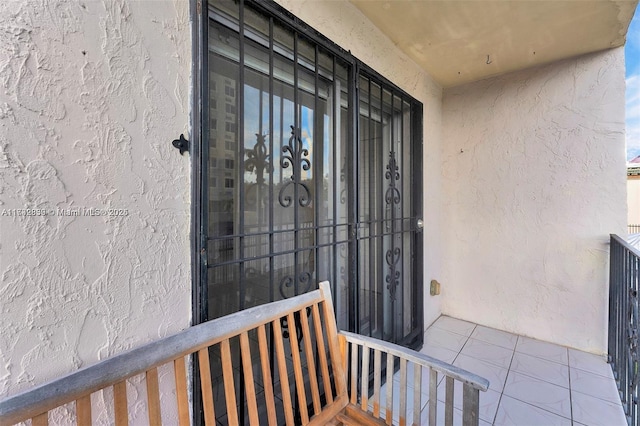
pixel 251 272
pixel 343 270
pixel 343 192
pixel 293 155
pixel 393 278
pixel 392 195
pixel 284 324
pixel 258 161
pixel 288 282
pixel 634 367
pixel 393 256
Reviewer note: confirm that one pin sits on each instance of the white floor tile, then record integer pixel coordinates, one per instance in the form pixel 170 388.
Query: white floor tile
pixel 545 350
pixel 496 375
pixel 594 385
pixel 512 412
pixel 589 362
pixel 440 353
pixel 592 411
pixel 540 368
pixel 539 393
pixel 445 339
pixel 534 392
pixel 492 354
pixel 495 337
pixel 454 325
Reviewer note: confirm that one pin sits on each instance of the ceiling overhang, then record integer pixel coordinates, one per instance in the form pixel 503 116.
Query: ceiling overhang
pixel 460 41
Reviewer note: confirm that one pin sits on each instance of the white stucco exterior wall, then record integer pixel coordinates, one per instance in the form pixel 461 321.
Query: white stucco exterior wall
pixel 534 183
pixel 91 96
pixel 345 25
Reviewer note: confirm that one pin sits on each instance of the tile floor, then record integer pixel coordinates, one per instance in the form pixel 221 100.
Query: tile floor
pixel 531 382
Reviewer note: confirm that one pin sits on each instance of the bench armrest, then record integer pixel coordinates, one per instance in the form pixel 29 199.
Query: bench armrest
pixel 446 369
pixel 395 409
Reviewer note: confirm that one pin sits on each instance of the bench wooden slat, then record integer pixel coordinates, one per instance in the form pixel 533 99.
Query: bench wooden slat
pixel 403 392
pixel 332 338
pixel 364 379
pixel 41 420
pixel 266 376
pixel 83 411
pixel 389 402
pixel 343 349
pixel 448 405
pixel 417 393
pixel 120 403
pixel 229 386
pixel 247 371
pixel 206 387
pixel 361 417
pixel 311 365
pixel 433 396
pixel 344 420
pixel 297 367
pixel 377 361
pixel 470 405
pixel 354 374
pixel 322 353
pixel 330 411
pixel 282 369
pixel 182 398
pixel 153 397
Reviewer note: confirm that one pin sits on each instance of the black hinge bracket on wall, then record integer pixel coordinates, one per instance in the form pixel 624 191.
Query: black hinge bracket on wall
pixel 182 144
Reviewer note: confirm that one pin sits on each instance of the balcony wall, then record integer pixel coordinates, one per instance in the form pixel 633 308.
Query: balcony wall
pixel 534 177
pixel 92 94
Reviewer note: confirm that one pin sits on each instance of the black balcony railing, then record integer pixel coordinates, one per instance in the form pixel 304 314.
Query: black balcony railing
pixel 624 354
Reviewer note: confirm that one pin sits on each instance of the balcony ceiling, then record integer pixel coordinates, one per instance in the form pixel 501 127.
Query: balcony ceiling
pixel 462 41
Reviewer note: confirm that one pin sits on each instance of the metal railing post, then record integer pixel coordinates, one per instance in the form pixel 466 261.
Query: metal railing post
pixel 623 339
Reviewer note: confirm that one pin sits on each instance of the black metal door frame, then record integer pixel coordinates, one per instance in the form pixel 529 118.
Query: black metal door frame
pixel 199 155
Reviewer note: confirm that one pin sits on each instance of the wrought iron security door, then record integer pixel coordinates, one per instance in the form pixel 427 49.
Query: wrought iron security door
pixel 310 172
pixel 388 206
pixel 278 108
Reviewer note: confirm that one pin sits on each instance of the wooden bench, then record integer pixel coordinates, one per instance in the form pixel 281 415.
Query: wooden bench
pixel 292 347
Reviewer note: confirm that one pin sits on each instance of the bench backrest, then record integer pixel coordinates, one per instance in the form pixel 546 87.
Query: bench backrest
pixel 278 345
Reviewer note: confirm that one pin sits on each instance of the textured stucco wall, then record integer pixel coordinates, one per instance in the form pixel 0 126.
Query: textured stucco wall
pixel 346 26
pixel 91 95
pixel 534 182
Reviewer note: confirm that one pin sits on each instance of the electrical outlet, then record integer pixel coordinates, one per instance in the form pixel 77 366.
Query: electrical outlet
pixel 435 288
